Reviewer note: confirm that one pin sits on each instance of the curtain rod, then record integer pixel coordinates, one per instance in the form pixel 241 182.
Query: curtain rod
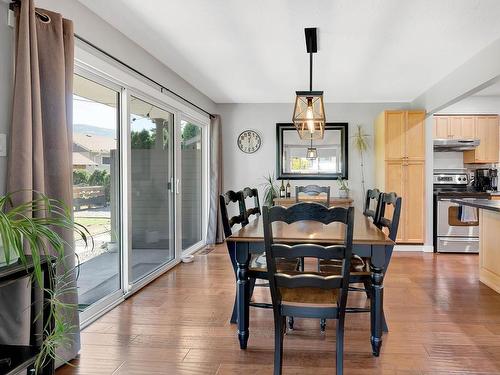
pixel 162 88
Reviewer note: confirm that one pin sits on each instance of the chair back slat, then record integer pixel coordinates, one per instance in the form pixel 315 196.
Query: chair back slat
pixel 309 211
pixel 284 280
pixel 392 224
pixel 308 251
pixel 303 279
pixel 372 195
pixel 312 190
pixel 252 193
pixel 226 199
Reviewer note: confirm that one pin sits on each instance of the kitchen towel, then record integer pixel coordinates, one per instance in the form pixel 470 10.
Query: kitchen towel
pixel 468 214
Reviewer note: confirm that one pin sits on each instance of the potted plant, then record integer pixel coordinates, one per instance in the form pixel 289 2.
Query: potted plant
pixel 270 190
pixel 360 142
pixel 34 226
pixel 343 188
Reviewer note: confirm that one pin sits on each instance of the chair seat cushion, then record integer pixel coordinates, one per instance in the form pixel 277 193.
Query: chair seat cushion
pixel 258 263
pixel 308 296
pixel 359 266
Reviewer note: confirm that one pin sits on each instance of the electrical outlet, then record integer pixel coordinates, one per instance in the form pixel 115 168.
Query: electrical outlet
pixel 3 145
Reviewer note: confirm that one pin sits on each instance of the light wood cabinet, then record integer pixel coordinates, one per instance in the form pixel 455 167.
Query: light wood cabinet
pixel 453 127
pixel 400 167
pixel 468 127
pixel 486 130
pixel 441 130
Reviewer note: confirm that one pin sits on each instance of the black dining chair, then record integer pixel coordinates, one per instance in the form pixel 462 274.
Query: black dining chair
pixel 313 190
pixel 303 293
pixel 360 272
pixel 257 268
pixel 372 195
pixel 252 193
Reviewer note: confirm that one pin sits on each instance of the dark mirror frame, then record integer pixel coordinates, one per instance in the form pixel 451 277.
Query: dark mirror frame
pixel 342 126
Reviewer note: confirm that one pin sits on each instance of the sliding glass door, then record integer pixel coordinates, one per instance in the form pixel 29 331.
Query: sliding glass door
pixel 139 184
pixel 192 183
pixel 151 176
pixel 96 173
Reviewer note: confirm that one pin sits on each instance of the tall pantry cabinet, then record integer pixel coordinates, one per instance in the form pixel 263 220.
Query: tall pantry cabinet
pixel 400 167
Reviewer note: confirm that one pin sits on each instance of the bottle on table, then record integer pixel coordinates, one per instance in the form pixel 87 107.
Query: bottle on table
pixel 282 189
pixel 288 190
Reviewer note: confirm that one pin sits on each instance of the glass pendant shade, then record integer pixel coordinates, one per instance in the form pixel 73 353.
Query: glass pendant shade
pixel 309 114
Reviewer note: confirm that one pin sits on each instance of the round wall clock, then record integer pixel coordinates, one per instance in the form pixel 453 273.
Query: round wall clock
pixel 249 141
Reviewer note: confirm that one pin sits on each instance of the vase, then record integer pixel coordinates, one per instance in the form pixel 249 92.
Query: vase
pixel 343 193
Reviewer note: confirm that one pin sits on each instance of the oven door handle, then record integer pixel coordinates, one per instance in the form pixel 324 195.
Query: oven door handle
pixel 460 239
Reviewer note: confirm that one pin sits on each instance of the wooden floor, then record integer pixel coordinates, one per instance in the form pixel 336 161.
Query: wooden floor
pixel 442 320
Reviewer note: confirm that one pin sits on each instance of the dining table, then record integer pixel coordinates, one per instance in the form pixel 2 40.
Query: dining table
pixel 368 242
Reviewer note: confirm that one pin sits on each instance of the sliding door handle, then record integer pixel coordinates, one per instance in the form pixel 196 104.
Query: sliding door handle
pixel 177 183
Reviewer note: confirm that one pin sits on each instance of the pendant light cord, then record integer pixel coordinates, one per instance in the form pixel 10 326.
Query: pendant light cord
pixel 310 71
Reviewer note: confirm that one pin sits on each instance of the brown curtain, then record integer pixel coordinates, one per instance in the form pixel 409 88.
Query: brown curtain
pixel 215 233
pixel 40 155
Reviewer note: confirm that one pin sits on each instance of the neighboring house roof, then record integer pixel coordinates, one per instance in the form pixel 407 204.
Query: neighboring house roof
pixel 94 143
pixel 79 159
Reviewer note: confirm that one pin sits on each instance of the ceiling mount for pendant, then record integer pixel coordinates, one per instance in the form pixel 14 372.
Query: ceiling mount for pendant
pixel 309 112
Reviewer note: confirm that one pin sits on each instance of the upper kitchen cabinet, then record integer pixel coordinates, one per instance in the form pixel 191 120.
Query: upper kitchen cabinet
pixel 403 133
pixel 454 127
pixel 486 130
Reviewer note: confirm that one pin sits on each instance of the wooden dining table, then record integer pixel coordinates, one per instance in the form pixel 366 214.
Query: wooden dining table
pixel 368 242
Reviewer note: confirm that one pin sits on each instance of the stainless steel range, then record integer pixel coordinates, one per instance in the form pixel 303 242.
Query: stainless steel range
pixel 456 228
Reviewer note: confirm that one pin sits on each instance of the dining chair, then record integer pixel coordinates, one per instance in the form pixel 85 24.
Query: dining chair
pixel 372 195
pixel 313 190
pixel 252 193
pixel 308 294
pixel 360 268
pixel 257 268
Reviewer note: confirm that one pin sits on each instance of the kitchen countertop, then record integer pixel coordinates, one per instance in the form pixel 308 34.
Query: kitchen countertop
pixel 485 204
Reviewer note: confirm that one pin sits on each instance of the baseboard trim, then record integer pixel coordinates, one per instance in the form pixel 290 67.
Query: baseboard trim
pixel 418 248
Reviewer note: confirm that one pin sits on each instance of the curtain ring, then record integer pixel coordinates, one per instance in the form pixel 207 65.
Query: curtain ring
pixel 45 18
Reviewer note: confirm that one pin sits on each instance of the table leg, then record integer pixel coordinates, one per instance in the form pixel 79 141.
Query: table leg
pixel 243 285
pixel 231 248
pixel 377 302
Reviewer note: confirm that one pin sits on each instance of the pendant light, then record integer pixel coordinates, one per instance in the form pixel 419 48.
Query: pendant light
pixel 309 112
pixel 312 152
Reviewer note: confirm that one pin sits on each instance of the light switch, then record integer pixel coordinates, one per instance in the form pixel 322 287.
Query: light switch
pixel 3 145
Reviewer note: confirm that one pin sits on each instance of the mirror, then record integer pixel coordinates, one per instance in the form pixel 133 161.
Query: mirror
pixel 294 162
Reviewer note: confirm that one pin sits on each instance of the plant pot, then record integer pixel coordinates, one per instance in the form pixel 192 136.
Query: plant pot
pixel 344 193
pixel 13 256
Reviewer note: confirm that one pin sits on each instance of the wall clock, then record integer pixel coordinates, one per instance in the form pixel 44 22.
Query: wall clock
pixel 249 141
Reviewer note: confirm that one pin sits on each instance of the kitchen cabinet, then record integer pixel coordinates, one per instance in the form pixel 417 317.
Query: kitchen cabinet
pixel 454 127
pixel 400 167
pixel 486 130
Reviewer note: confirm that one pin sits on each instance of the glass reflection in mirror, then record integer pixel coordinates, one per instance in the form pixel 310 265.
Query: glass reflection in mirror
pixel 294 159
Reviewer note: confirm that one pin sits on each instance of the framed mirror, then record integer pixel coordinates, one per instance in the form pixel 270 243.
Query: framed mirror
pixel 325 159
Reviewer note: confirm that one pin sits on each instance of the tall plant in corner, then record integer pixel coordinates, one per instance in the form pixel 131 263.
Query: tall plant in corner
pixel 270 190
pixel 34 226
pixel 361 144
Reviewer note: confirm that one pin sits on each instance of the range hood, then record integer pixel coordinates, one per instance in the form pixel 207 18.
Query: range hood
pixel 455 144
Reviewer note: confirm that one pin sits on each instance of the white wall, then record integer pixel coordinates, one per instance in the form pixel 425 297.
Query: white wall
pixel 91 27
pixel 6 57
pixel 476 105
pixel 242 170
pixel 474 75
